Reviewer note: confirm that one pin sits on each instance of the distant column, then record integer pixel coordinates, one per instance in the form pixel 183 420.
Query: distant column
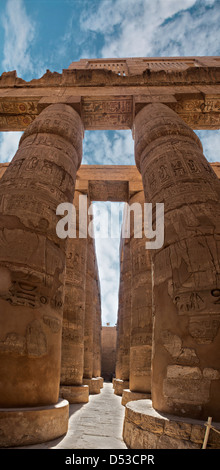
pixel 186 376
pixel 124 318
pixel 90 309
pixel 141 309
pixel 72 362
pixel 92 334
pixel 97 327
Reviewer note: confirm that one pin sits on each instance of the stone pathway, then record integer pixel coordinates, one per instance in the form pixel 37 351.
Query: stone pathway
pixel 94 425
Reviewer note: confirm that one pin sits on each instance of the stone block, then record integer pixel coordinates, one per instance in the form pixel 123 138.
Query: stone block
pixel 149 429
pixel 26 426
pixel 149 440
pixel 132 415
pixel 94 385
pixel 75 393
pixel 132 436
pixel 186 390
pixel 167 442
pixel 120 385
pixel 127 396
pixel 181 430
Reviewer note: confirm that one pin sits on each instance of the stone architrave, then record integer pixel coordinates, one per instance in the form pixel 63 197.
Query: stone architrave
pixel 72 358
pixel 32 257
pixel 124 317
pixel 185 378
pixel 141 304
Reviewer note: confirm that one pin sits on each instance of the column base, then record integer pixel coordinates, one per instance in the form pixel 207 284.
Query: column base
pixel 75 393
pixel 26 426
pixel 101 381
pixel 94 385
pixel 128 395
pixel 145 428
pixel 120 385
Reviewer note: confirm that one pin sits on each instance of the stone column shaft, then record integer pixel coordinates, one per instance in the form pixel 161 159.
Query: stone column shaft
pixel 92 334
pixel 124 317
pixel 32 258
pixel 186 378
pixel 74 308
pixel 141 307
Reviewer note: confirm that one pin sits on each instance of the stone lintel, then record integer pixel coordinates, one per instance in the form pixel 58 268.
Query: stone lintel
pixel 145 428
pixel 34 425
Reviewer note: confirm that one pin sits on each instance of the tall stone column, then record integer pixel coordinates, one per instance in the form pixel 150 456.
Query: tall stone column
pixel 89 313
pixel 72 358
pixel 97 328
pixel 92 334
pixel 141 307
pixel 32 264
pixel 121 381
pixel 186 377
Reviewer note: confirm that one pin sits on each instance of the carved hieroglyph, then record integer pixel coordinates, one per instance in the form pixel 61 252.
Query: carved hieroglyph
pixel 141 307
pixel 169 156
pixel 72 359
pixel 124 311
pixel 32 258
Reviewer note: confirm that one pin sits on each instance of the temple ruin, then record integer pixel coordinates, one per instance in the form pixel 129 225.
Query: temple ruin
pixel 168 335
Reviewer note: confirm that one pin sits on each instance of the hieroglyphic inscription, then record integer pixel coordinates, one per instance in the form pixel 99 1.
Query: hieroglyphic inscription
pixel 18 107
pixel 15 122
pixel 33 344
pixel 114 113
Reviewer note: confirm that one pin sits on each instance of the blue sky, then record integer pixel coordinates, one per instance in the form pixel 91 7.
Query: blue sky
pixel 36 35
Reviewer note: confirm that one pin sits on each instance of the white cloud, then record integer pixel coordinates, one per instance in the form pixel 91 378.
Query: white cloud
pixel 133 28
pixel 8 145
pixel 19 32
pixel 211 144
pixel 108 148
pixel 107 252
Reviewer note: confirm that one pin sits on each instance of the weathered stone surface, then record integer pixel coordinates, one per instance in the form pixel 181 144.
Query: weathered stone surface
pixel 25 426
pixel 109 92
pixel 90 311
pixel 94 385
pixel 141 304
pixel 145 428
pixel 127 396
pixel 122 369
pixel 186 297
pixel 72 356
pixel 32 258
pixel 120 385
pixel 75 394
pixel 92 324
